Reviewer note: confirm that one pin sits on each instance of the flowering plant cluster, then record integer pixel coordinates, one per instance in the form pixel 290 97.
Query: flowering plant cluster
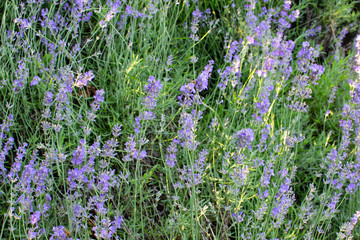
pixel 185 119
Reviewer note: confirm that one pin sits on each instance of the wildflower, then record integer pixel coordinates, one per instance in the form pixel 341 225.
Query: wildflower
pixel 79 153
pixel 193 175
pixel 48 98
pixel 194 24
pixel 202 80
pixel 137 125
pixel 16 167
pixel 5 150
pixel 152 89
pixel 189 96
pixel 118 220
pixel 32 234
pixel 169 62
pixel 59 233
pixel 95 105
pixel 35 81
pixel 194 59
pixel 110 15
pixel 268 172
pixel 231 52
pixel 116 130
pixel 312 32
pixel 187 132
pixel 282 206
pixel 239 217
pixel 147 115
pixel 108 149
pixel 35 217
pixel 244 138
pixel 259 214
pixel 340 38
pixel 214 124
pixel 347 228
pixel 331 206
pixel 332 94
pixel 239 175
pixel 224 77
pixel 171 155
pixel 21 74
pixel 83 79
pixel 132 151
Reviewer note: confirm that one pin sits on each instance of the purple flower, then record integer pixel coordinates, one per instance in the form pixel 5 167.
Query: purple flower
pixel 312 32
pixel 59 233
pixel 331 206
pixel 171 155
pixel 79 153
pixel 202 80
pixel 244 138
pixel 147 115
pixel 83 79
pixel 35 217
pixel 187 132
pixel 105 181
pixel 348 227
pixel 99 96
pixel 224 77
pixel 21 74
pixel 282 206
pixel 193 176
pixel 5 150
pixel 283 23
pixel 94 151
pixel 35 81
pixel 118 221
pixel 188 94
pixel 32 234
pixel 232 50
pixel 341 37
pixel 132 151
pixel 16 167
pixel 149 102
pixel 266 177
pixel 194 59
pixel 188 90
pixel 5 126
pixel 48 98
pixel 347 128
pixel 259 214
pixel 239 175
pixel 128 10
pixel 116 130
pixel 194 24
pixel 23 23
pixel 152 89
pixel 214 124
pixel 95 105
pixel 169 62
pixel 263 103
pixel 239 217
pixel 76 178
pixel 108 149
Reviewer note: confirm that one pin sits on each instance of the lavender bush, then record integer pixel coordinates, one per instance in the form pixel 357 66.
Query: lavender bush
pixel 163 119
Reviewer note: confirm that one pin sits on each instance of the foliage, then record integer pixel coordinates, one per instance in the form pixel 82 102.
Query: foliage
pixel 163 119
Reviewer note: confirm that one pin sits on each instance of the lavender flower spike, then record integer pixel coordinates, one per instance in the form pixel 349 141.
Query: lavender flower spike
pixel 202 80
pixel 244 137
